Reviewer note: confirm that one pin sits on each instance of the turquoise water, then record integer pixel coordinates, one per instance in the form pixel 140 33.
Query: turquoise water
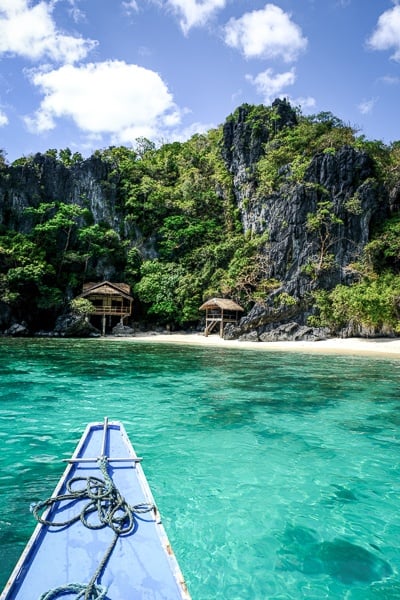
pixel 277 474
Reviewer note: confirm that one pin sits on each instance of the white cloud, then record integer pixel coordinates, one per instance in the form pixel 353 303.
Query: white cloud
pixel 390 80
pixel 76 13
pixel 184 134
pixel 31 32
pixel 130 6
pixel 386 35
pixel 366 106
pixel 267 33
pixel 270 85
pixel 305 102
pixel 3 119
pixel 195 13
pixel 115 98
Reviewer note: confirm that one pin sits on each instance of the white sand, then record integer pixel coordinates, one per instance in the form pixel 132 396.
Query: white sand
pixel 356 346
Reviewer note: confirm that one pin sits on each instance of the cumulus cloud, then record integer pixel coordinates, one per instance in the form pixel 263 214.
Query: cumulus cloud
pixel 122 100
pixel 366 106
pixel 195 13
pixel 270 85
pixel 268 33
pixel 30 31
pixel 386 35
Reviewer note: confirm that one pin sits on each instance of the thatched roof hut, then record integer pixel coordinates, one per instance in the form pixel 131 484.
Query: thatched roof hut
pixel 109 300
pixel 220 311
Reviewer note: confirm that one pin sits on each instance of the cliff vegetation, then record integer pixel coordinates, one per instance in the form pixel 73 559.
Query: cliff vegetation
pixel 294 217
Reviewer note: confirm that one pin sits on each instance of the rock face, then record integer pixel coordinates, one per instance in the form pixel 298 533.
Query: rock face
pixel 299 257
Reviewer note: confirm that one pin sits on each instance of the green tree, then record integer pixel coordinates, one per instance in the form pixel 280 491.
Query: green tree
pixel 374 302
pixel 323 223
pixel 158 289
pixel 57 231
pixel 81 307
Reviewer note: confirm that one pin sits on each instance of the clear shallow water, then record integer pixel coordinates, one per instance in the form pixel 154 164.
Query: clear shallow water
pixel 277 474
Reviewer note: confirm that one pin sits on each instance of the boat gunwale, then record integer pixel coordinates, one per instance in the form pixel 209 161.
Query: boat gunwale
pixel 40 528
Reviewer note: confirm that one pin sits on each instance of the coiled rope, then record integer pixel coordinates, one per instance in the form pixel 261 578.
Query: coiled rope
pixel 112 511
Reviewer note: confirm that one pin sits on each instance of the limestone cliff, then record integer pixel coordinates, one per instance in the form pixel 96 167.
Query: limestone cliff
pixel 299 256
pixel 42 178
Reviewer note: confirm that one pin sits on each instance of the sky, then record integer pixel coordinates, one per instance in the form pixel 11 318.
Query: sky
pixel 89 74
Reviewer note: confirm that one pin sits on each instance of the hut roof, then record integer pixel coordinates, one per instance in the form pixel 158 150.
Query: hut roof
pixel 106 288
pixel 222 303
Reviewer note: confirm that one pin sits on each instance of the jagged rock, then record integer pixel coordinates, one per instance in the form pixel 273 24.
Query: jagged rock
pixel 249 337
pixel 353 329
pixel 244 136
pixel 121 330
pixel 263 315
pixel 295 332
pixel 231 332
pixel 75 326
pixel 18 330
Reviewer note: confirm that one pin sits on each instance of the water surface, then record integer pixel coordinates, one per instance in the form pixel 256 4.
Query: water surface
pixel 277 474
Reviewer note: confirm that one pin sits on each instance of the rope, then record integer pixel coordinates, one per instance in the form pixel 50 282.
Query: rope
pixel 112 510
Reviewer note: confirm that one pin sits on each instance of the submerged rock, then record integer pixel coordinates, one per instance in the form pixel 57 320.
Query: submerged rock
pixel 343 560
pixel 349 562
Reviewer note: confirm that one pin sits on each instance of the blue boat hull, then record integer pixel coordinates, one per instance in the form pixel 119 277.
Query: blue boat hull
pixel 141 565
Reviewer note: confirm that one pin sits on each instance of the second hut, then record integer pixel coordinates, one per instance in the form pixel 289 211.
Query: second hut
pixel 220 311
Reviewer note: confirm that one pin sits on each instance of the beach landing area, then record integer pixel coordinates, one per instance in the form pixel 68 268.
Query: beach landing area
pixel 356 346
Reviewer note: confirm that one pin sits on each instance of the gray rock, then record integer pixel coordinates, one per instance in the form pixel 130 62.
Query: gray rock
pixel 121 330
pixel 295 332
pixel 249 337
pixel 18 330
pixel 75 326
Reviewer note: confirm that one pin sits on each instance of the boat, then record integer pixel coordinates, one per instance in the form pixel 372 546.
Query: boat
pixel 100 534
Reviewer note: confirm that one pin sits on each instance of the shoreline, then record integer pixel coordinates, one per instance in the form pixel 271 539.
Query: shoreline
pixel 386 347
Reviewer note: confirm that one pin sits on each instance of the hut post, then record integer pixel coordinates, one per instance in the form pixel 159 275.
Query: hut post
pixel 103 324
pixel 221 326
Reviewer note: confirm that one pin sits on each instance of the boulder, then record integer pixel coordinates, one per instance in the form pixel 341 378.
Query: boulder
pixel 70 325
pixel 18 330
pixel 121 330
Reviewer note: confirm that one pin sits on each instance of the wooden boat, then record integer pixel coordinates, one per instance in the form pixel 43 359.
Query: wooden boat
pixel 126 555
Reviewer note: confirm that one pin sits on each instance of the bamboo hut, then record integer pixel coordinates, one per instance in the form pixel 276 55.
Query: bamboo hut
pixel 110 300
pixel 220 311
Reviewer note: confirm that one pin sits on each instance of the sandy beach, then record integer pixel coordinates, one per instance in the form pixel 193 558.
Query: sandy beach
pixel 389 347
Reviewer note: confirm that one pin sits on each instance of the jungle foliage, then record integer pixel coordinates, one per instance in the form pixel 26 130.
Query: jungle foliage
pixel 180 196
pixel 374 301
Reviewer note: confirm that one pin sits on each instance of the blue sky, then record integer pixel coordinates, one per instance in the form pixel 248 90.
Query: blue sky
pixel 87 74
